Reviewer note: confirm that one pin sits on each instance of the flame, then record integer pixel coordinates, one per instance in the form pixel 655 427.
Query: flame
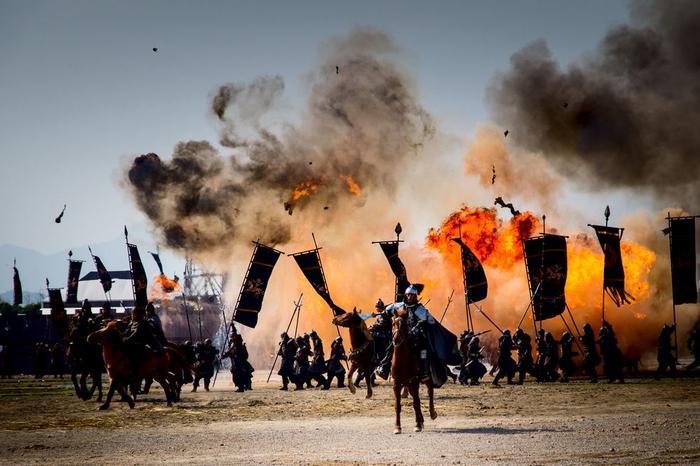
pixel 494 242
pixel 162 287
pixel 303 189
pixel 353 187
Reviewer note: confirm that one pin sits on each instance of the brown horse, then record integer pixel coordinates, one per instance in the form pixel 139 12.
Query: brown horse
pixel 123 372
pixel 85 359
pixel 404 372
pixel 362 345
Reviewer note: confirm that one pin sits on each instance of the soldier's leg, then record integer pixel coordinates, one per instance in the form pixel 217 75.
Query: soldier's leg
pixel 385 365
pixel 285 382
pixel 341 380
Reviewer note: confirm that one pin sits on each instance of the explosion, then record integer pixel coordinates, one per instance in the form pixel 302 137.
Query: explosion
pixel 163 287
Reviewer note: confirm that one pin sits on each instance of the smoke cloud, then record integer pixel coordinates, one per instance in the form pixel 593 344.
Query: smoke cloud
pixel 625 116
pixel 361 127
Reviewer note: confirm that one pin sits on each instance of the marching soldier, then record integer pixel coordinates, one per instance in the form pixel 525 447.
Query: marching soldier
pixel 612 357
pixel 541 355
pixel 206 355
pixel 475 368
pixel 287 351
pixel 464 340
pixel 566 362
pixel 590 353
pixel 665 352
pixel 523 343
pixel 506 365
pixel 335 365
pixel 318 362
pixel 301 364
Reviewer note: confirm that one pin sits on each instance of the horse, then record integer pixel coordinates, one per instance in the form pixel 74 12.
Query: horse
pixel 123 372
pixel 404 372
pixel 178 369
pixel 362 345
pixel 85 359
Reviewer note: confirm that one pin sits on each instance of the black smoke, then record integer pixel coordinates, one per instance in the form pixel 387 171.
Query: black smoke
pixel 627 115
pixel 364 122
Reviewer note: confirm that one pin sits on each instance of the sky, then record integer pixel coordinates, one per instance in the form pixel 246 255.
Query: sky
pixel 82 92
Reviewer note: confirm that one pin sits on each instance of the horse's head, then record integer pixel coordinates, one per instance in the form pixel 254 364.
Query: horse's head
pixel 399 327
pixel 107 334
pixel 348 319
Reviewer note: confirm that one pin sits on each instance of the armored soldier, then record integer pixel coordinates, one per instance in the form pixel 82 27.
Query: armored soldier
pixel 525 365
pixel 551 360
pixel 42 359
pixel 612 357
pixel 301 364
pixel 665 352
pixel 541 355
pixel 318 362
pixel 206 355
pixel 335 365
pixel 156 326
pixel 590 353
pixel 287 351
pixel 241 370
pixel 191 358
pixel 566 362
pixel 506 365
pixel 138 335
pixel 475 368
pixel 464 340
pixel 418 318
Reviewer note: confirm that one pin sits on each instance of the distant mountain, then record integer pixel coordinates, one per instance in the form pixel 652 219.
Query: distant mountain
pixel 35 267
pixel 27 297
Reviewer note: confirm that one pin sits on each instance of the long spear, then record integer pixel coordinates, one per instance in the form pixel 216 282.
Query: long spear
pixel 297 306
pixel 449 301
pixel 488 318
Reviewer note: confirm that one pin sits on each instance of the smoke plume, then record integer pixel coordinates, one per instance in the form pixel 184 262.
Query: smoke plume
pixel 360 128
pixel 625 116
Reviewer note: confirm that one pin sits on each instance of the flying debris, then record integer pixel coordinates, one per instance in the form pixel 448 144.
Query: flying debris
pixel 325 207
pixel 311 163
pixel 499 201
pixel 155 49
pixel 493 174
pixel 505 133
pixel 60 216
pixel 337 70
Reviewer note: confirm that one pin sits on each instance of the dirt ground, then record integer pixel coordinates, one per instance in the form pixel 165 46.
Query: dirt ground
pixel 641 422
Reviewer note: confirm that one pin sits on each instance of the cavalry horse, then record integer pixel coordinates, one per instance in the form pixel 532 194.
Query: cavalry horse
pixel 362 348
pixel 404 372
pixel 85 359
pixel 122 371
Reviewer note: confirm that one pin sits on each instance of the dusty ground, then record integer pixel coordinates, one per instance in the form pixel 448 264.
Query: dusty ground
pixel 641 422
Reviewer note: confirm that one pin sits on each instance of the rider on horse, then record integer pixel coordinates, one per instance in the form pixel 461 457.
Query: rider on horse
pixel 434 345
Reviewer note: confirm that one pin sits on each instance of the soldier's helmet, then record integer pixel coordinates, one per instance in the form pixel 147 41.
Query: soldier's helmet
pixel 284 335
pixel 339 338
pixel 411 290
pixel 474 341
pixel 506 332
pixel 313 333
pixel 518 332
pixel 379 304
pixel 565 336
pixel 150 308
pixel 207 341
pixel 587 327
pixel 188 343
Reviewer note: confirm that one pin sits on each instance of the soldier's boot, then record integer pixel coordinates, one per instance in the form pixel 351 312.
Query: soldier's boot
pixel 206 385
pixel 358 378
pixel 341 381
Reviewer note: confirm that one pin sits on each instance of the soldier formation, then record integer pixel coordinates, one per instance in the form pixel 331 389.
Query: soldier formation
pixel 297 369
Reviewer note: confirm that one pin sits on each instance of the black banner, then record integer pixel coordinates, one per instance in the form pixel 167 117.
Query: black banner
pixel 73 278
pixel 310 264
pixel 614 273
pixel 475 285
pixel 254 285
pixel 17 286
pixel 683 261
pixel 156 257
pixel 546 271
pixel 102 273
pixel 391 251
pixel 138 276
pixel 58 312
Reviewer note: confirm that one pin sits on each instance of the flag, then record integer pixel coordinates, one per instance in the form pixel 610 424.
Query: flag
pixel 156 257
pixel 613 273
pixel 58 312
pixel 17 285
pixel 73 280
pixel 102 272
pixel 546 270
pixel 683 260
pixel 475 285
pixel 252 292
pixel 310 264
pixel 138 276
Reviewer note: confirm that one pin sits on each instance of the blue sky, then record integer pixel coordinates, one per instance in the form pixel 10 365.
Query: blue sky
pixel 82 92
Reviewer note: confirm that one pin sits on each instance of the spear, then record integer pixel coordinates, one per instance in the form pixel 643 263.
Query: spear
pixel 488 318
pixel 449 301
